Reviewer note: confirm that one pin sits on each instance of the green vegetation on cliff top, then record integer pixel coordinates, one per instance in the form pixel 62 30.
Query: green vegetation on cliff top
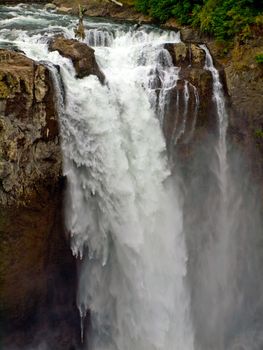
pixel 221 18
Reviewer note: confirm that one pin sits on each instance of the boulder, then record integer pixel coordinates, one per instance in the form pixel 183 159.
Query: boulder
pixel 50 7
pixel 81 55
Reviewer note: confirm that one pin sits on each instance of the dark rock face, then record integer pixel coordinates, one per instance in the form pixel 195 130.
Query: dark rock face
pixel 185 55
pixel 30 155
pixel 37 270
pixel 198 113
pixel 244 82
pixel 82 56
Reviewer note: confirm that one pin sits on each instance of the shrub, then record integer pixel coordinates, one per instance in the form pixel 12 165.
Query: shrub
pixel 222 18
pixel 259 58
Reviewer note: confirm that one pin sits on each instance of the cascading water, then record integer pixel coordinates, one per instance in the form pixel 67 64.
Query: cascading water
pixel 222 237
pixel 219 99
pixel 221 249
pixel 124 212
pixel 126 222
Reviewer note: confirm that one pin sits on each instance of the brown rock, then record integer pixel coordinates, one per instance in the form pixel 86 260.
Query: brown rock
pixel 198 111
pixel 244 82
pixel 197 56
pixel 104 8
pixel 28 121
pixel 35 255
pixel 179 53
pixel 190 35
pixel 82 56
pixel 184 55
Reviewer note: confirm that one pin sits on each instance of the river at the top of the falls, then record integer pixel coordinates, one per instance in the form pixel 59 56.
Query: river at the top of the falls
pixel 125 209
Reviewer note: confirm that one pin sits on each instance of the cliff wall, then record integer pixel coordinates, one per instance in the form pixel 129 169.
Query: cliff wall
pixel 37 270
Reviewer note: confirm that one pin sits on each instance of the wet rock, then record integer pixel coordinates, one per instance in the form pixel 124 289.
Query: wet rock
pixel 197 56
pixel 50 7
pixel 81 55
pixel 179 53
pixel 64 9
pixel 191 108
pixel 184 55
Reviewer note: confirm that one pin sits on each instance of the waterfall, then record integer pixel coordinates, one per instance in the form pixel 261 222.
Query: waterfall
pixel 218 96
pixel 125 214
pixel 222 236
pixel 123 208
pixel 217 257
pixel 163 264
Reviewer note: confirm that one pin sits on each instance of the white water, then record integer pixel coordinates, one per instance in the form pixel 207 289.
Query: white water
pixel 124 215
pixel 219 99
pixel 221 252
pixel 123 206
pixel 123 209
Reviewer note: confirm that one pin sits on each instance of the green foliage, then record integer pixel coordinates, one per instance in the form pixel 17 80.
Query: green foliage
pixel 142 6
pixel 220 18
pixel 259 58
pixel 259 20
pixel 164 9
pixel 226 18
pixel 259 133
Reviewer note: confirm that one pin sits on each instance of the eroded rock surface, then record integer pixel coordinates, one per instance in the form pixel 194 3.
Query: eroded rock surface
pixel 184 54
pixel 37 270
pixel 191 108
pixel 244 82
pixel 30 156
pixel 82 56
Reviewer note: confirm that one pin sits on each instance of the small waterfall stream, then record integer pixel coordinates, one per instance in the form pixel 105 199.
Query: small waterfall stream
pixel 218 96
pixel 221 250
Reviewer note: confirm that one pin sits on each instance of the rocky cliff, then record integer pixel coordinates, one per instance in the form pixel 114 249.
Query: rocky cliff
pixel 244 82
pixel 33 248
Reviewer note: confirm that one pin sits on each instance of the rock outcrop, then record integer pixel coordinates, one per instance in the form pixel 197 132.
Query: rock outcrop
pixel 104 8
pixel 199 114
pixel 244 83
pixel 185 55
pixel 81 55
pixel 30 156
pixel 33 247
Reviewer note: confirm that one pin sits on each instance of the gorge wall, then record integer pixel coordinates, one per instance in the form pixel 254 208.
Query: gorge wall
pixel 244 81
pixel 37 270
